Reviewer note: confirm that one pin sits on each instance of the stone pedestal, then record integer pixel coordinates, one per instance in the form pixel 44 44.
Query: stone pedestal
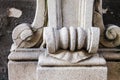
pixel 90 69
pixel 72 73
pixel 22 70
pixel 22 64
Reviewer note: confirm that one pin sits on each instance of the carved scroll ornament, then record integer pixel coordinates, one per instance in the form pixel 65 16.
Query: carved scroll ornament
pixel 110 35
pixel 68 43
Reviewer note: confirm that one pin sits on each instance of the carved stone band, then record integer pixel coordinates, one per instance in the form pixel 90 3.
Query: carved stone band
pixel 73 39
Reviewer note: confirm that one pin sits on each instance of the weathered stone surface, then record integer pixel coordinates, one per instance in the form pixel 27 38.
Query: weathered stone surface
pixel 111 38
pixel 70 13
pixel 85 13
pixel 72 73
pixel 13 12
pixel 22 70
pixel 64 41
pixel 66 60
pixel 93 39
pixel 40 14
pixel 58 44
pixel 25 54
pixel 55 13
pixel 113 70
pixel 81 35
pixel 73 38
pixel 110 54
pixel 7 24
pixel 50 40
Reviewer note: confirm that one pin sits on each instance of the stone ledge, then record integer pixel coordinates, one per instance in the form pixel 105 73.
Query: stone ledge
pixel 110 54
pixel 33 54
pixel 95 60
pixel 25 54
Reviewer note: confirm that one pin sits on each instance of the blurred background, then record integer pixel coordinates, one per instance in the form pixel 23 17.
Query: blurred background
pixel 111 10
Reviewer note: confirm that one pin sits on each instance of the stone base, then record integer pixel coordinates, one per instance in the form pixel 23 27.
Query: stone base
pixel 113 70
pixel 24 64
pixel 72 73
pixel 22 70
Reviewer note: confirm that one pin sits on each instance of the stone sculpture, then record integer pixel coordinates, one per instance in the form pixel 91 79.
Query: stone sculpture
pixel 70 39
pixel 57 20
pixel 67 34
pixel 109 34
pixel 72 43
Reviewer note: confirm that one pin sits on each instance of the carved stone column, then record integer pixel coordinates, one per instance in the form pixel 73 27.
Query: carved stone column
pixel 64 47
pixel 71 51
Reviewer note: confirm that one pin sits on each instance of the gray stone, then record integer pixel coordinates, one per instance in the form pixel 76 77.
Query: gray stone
pixel 70 13
pixel 64 41
pixel 50 40
pixel 94 40
pixel 72 73
pixel 22 70
pixel 85 13
pixel 55 13
pixel 13 12
pixel 25 54
pixel 81 60
pixel 73 38
pixel 39 19
pixel 81 35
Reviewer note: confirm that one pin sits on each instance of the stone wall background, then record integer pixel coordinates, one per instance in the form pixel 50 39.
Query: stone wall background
pixel 7 24
pixel 112 16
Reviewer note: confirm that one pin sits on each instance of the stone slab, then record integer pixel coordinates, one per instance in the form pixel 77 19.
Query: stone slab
pixel 25 54
pixel 22 70
pixel 47 60
pixel 27 69
pixel 33 54
pixel 110 54
pixel 113 70
pixel 72 73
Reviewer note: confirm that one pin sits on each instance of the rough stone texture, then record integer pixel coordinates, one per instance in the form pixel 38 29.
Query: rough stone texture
pixel 113 70
pixel 49 60
pixel 72 73
pixel 40 14
pixel 25 54
pixel 7 25
pixel 112 16
pixel 70 9
pixel 22 70
pixel 110 54
pixel 54 12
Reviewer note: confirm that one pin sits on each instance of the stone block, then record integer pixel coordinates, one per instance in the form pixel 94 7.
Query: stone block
pixel 25 54
pixel 113 70
pixel 22 70
pixel 72 73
